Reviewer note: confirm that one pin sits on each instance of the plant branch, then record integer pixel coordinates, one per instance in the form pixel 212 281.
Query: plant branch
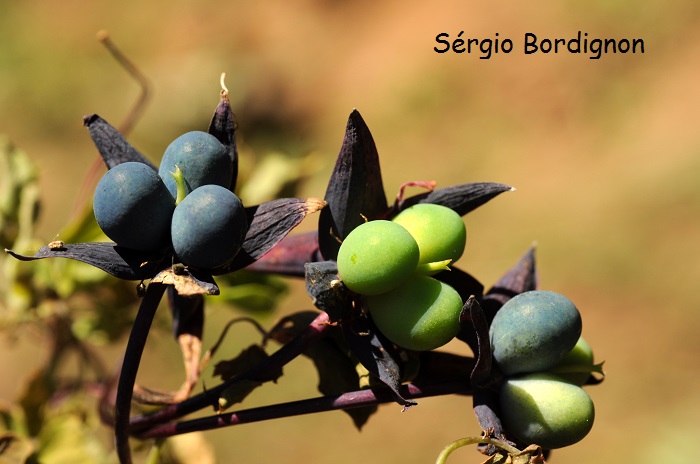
pixel 132 359
pixel 442 458
pixel 262 372
pixel 355 399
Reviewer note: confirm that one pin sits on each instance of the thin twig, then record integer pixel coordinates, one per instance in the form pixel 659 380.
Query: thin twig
pixel 350 400
pixel 140 104
pixel 442 458
pixel 127 123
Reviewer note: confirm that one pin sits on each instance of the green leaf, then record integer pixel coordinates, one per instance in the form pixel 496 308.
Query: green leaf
pixel 68 438
pixel 19 194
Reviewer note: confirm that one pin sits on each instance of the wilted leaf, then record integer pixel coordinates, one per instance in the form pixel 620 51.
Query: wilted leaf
pixel 268 224
pixel 187 282
pixel 355 188
pixel 188 324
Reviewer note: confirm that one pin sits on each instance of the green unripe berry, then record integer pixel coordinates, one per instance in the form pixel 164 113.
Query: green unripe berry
pixel 577 365
pixel 420 314
pixel 376 257
pixel 438 230
pixel 546 410
pixel 533 331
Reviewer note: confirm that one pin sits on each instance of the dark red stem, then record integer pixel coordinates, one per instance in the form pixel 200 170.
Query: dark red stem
pixel 348 400
pixel 132 359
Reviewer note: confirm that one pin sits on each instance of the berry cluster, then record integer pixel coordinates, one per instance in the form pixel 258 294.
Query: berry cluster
pixel 391 263
pixel 536 342
pixel 186 206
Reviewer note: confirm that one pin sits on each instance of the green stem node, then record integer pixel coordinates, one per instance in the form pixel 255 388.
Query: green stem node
pixel 180 183
pixel 434 267
pixel 442 458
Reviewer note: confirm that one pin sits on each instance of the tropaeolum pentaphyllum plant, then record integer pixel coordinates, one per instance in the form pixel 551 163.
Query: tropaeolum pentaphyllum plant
pixel 381 328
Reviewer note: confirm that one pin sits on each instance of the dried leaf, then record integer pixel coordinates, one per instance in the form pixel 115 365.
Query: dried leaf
pixel 268 224
pixel 187 282
pixel 112 146
pixel 188 324
pixel 120 262
pixel 223 127
pixel 462 198
pixel 355 188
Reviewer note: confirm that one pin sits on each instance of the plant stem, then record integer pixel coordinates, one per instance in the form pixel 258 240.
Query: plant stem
pixel 442 458
pixel 180 184
pixel 132 359
pixel 262 372
pixel 356 399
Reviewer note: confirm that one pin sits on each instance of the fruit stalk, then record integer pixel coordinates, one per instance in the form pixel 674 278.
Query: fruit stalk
pixel 132 359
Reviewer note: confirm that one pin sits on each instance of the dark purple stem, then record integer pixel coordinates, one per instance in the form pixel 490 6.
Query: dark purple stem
pixel 262 372
pixel 348 400
pixel 132 359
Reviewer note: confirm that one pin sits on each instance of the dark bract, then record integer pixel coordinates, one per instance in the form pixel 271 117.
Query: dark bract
pixel 533 331
pixel 133 207
pixel 208 227
pixel 202 159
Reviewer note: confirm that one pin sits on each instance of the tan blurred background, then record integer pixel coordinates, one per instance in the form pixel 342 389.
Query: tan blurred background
pixel 605 156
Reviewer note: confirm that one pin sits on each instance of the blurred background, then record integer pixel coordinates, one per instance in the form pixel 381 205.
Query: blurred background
pixel 604 154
